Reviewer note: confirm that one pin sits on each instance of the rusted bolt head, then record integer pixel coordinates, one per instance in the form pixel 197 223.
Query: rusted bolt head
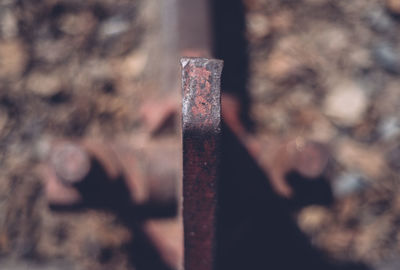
pixel 70 162
pixel 311 159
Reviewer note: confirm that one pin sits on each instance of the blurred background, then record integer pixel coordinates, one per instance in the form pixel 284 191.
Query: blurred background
pixel 323 70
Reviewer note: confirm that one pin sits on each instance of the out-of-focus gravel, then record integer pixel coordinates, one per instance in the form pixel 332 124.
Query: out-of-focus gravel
pixel 67 69
pixel 329 70
pixel 323 69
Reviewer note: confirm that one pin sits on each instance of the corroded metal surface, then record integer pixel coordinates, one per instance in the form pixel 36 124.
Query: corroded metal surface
pixel 75 170
pixel 201 120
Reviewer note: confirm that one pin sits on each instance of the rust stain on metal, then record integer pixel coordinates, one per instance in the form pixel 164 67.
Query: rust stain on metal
pixel 201 118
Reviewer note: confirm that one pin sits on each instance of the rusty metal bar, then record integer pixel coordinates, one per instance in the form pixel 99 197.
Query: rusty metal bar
pixel 185 31
pixel 201 120
pixel 169 39
pixel 194 27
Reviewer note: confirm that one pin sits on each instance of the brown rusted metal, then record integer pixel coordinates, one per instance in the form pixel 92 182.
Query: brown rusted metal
pixel 136 182
pixel 76 165
pixel 195 34
pixel 185 32
pixel 277 156
pixel 201 120
pixel 70 162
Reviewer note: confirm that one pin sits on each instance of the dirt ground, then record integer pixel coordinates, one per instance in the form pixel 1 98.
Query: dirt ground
pixel 320 69
pixel 328 70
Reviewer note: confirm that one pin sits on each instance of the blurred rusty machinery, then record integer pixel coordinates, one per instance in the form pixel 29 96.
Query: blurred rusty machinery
pixel 114 176
pixel 144 181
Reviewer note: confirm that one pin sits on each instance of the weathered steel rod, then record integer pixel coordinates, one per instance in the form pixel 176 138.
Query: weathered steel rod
pixel 201 120
pixel 194 27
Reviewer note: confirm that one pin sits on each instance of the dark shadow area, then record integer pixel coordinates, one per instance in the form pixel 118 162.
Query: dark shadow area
pixel 255 228
pixel 100 192
pixel 230 45
pixel 309 191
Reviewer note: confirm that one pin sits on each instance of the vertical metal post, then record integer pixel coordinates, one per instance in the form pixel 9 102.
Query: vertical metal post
pixel 169 38
pixel 201 119
pixel 185 31
pixel 194 27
